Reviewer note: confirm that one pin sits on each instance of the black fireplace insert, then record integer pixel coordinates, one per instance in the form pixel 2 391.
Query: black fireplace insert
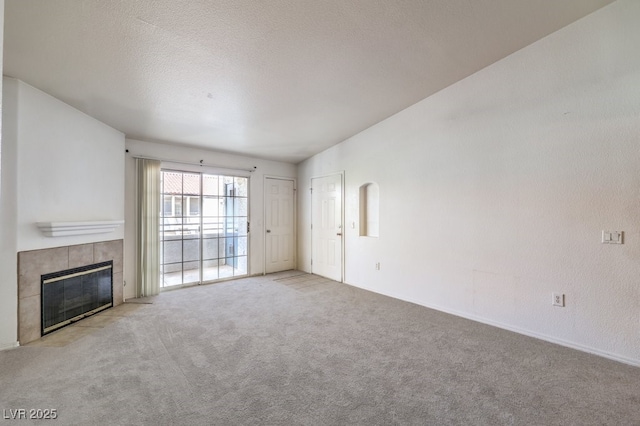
pixel 68 296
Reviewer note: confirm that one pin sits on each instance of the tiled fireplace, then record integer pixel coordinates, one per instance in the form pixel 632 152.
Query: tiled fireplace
pixel 35 263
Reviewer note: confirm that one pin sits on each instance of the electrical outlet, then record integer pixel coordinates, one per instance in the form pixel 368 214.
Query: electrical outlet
pixel 377 266
pixel 558 299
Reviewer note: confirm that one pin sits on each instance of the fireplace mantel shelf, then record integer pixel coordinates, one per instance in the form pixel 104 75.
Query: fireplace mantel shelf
pixel 65 229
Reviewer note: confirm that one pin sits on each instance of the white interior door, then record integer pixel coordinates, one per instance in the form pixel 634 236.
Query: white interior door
pixel 326 226
pixel 279 225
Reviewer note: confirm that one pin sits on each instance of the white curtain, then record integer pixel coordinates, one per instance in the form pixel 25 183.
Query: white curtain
pixel 148 210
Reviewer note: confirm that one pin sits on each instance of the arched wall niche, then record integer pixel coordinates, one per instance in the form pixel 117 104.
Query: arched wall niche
pixel 370 210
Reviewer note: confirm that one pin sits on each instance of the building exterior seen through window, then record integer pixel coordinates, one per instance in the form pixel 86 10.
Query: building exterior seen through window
pixel 203 227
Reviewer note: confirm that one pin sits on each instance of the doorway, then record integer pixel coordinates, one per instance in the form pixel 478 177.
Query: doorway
pixel 279 224
pixel 326 226
pixel 203 227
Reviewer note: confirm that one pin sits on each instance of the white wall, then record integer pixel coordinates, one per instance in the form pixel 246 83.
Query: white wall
pixel 8 270
pixel 494 191
pixel 58 164
pixel 177 153
pixel 70 168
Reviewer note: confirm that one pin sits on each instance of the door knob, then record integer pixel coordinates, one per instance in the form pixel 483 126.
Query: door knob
pixel 339 233
pixel 268 231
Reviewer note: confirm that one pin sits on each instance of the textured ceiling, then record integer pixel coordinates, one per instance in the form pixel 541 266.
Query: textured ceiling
pixel 277 79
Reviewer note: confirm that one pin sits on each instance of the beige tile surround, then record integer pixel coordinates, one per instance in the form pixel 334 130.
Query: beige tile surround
pixel 33 264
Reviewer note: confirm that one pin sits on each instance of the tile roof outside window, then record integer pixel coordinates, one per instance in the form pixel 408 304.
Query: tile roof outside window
pixel 173 183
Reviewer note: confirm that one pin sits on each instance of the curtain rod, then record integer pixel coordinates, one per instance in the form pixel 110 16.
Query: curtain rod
pixel 201 163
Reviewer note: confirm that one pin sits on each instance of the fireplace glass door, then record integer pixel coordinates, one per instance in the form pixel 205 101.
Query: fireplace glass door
pixel 70 295
pixel 203 227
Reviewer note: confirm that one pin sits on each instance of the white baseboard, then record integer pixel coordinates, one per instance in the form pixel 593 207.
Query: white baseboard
pixel 5 346
pixel 546 338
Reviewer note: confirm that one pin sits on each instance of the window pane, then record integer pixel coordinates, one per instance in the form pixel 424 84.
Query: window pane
pixel 172 251
pixel 191 231
pixel 194 206
pixel 228 226
pixel 240 207
pixel 241 187
pixel 210 270
pixel 229 247
pixel 167 205
pixel 171 226
pixel 172 183
pixel 212 227
pixel 210 185
pixel 222 251
pixel 191 272
pixel 210 248
pixel 240 226
pixel 211 206
pixel 177 206
pixel 172 274
pixel 242 246
pixel 240 265
pixel 225 270
pixel 191 250
pixel 191 184
pixel 228 206
pixel 226 185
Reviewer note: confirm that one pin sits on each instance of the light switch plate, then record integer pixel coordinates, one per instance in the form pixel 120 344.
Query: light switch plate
pixel 612 237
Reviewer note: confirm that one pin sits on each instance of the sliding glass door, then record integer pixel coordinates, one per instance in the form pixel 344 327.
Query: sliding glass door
pixel 225 226
pixel 203 230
